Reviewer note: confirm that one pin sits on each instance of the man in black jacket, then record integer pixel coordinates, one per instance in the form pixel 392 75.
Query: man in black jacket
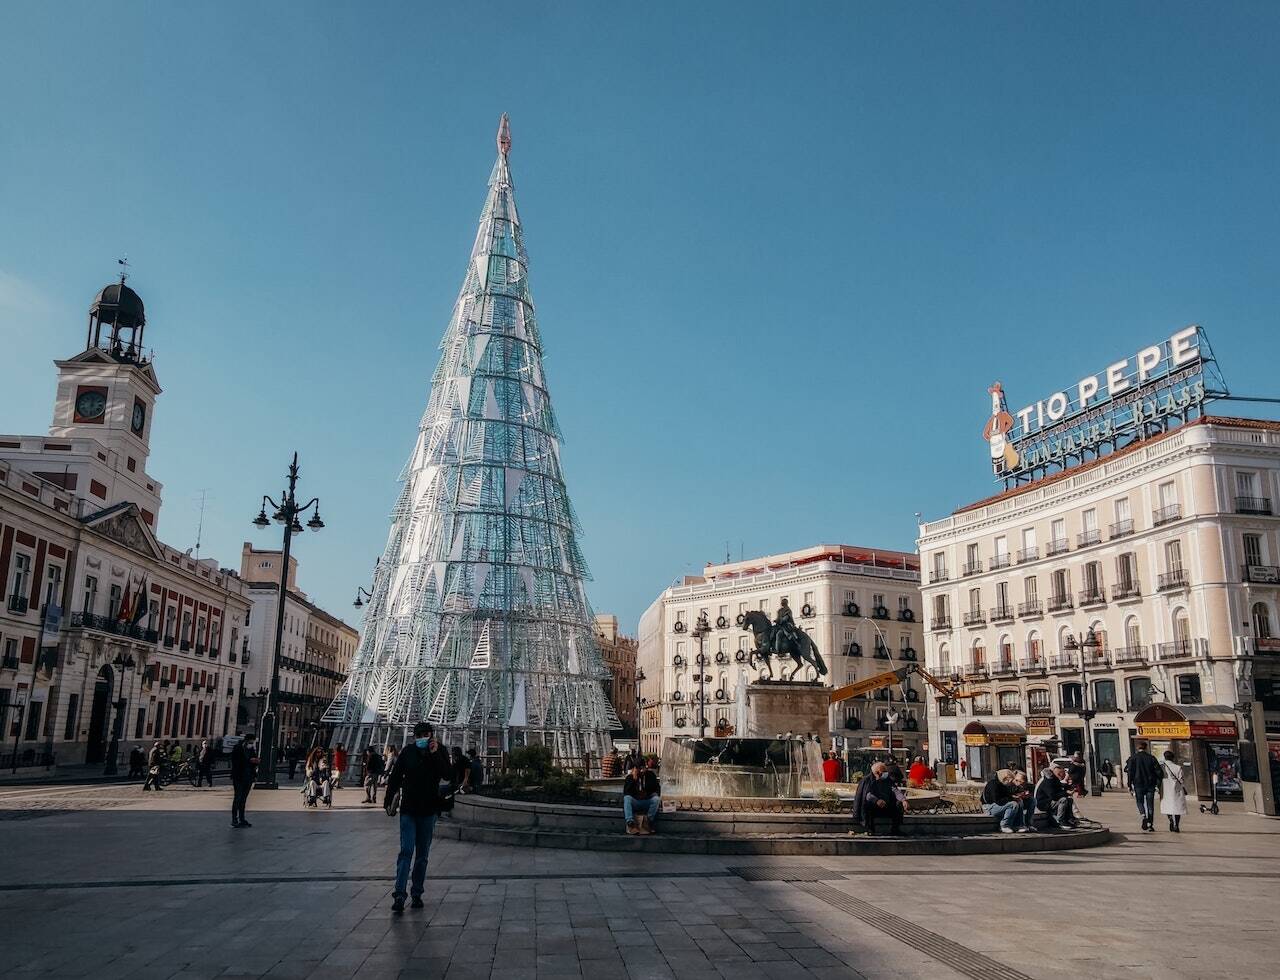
pixel 997 800
pixel 419 770
pixel 244 767
pixel 372 772
pixel 1052 796
pixel 879 801
pixel 205 759
pixel 1144 776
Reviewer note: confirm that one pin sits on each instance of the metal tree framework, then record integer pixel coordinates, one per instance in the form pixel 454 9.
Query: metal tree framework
pixel 478 619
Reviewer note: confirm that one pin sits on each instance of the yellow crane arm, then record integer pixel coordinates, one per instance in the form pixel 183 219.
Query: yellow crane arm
pixel 891 677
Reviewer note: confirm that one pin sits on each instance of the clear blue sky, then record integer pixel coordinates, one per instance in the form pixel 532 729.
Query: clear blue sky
pixel 778 252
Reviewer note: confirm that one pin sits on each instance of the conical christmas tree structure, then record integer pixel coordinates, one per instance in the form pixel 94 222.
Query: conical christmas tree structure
pixel 479 620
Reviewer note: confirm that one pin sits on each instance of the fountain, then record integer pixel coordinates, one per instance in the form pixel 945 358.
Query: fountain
pixel 740 768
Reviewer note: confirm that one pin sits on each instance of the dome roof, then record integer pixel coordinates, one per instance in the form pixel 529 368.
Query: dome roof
pixel 118 304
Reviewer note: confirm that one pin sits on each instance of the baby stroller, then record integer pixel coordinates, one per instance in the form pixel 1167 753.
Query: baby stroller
pixel 317 789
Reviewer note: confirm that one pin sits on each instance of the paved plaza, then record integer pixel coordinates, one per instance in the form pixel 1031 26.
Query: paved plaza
pixel 105 881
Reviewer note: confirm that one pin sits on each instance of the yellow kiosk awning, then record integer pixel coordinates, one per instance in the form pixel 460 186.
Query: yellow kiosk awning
pixel 994 733
pixel 1165 721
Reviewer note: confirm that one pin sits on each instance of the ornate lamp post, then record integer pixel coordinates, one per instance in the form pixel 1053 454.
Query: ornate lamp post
pixel 1090 642
pixel 891 716
pixel 700 631
pixel 122 662
pixel 640 679
pixel 287 513
pixel 361 594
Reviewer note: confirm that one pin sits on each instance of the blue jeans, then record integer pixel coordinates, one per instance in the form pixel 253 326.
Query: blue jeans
pixel 415 834
pixel 1146 800
pixel 648 808
pixel 1010 814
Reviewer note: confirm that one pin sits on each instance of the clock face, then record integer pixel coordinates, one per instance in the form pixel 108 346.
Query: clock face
pixel 91 405
pixel 139 417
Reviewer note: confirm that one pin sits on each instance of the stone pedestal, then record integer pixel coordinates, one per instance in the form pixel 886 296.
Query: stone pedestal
pixel 783 707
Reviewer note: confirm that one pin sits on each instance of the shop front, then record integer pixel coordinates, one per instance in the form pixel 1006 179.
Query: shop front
pixel 1201 736
pixel 992 745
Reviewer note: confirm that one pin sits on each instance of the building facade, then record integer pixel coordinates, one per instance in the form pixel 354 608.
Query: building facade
pixel 619 655
pixel 860 606
pixel 1149 576
pixel 315 649
pixel 105 630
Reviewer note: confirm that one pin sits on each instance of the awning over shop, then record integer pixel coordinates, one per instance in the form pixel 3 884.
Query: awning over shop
pixel 994 733
pixel 1213 721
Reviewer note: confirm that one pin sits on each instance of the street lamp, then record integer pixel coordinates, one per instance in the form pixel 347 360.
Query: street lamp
pixel 891 716
pixel 362 593
pixel 1090 642
pixel 122 662
pixel 640 679
pixel 700 631
pixel 286 512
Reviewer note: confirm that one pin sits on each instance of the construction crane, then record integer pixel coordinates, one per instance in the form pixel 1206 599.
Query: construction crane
pixel 891 677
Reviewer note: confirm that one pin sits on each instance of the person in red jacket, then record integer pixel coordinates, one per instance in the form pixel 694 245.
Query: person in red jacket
pixel 918 774
pixel 830 768
pixel 339 765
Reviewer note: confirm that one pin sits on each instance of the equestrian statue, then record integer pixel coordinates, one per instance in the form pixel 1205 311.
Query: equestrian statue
pixel 782 638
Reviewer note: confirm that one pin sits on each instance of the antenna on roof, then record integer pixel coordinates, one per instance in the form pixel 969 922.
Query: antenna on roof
pixel 204 495
pixel 124 268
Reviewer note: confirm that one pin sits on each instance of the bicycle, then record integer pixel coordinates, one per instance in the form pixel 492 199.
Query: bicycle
pixel 187 769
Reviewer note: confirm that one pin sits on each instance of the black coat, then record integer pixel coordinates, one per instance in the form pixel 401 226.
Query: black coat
pixel 417 776
pixel 1049 790
pixel 243 768
pixel 996 792
pixel 1143 771
pixel 877 790
pixel 643 788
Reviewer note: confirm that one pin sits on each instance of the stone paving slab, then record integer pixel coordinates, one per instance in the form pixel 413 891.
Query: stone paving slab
pixel 111 883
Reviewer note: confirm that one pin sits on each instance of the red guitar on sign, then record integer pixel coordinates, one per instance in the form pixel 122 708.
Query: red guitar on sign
pixel 1003 456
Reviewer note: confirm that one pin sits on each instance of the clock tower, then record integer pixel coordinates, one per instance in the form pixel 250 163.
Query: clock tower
pixel 106 394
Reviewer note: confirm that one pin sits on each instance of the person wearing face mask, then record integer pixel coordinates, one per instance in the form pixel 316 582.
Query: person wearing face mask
pixel 419 769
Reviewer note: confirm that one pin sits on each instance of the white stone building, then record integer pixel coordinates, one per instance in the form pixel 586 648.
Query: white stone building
pixel 1164 554
pixel 103 625
pixel 860 605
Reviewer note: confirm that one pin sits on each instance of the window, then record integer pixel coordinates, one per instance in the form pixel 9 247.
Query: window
pixel 1002 595
pixel 904 603
pixel 1182 630
pixel 1061 584
pixel 1173 556
pixel 941 608
pixel 979 654
pixel 1038 701
pixel 1010 703
pixel 1247 485
pixel 877 601
pixel 1089 518
pixel 90 594
pixel 1069 694
pixel 1188 689
pixel 1029 539
pixel 1033 647
pixel 1104 695
pixel 1002 552
pixel 153 611
pixel 982 704
pixel 1123 514
pixel 1253 549
pixel 1058 529
pixel 1139 692
pixel 35 710
pixel 170 615
pixel 1168 495
pixel 939 566
pixel 53 585
pixel 73 718
pixel 975 600
pixel 1127 571
pixel 1133 633
pixel 1029 589
pixel 113 606
pixel 944 659
pixel 21 574
pixel 1093 577
pixel 971 555
pixel 1006 652
pixel 1261 621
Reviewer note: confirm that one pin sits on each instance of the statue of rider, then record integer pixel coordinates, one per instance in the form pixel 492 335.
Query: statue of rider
pixel 784 628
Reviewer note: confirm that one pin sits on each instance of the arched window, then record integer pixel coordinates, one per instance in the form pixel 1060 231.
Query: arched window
pixel 1006 652
pixel 979 653
pixel 1132 634
pixel 1035 654
pixel 944 659
pixel 1069 695
pixel 1261 621
pixel 1181 633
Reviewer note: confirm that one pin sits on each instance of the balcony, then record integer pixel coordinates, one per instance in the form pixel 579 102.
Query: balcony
pixel 1121 656
pixel 199 649
pixel 940 623
pixel 1177 650
pixel 184 645
pixel 1003 668
pixel 1125 590
pixel 1176 579
pixel 1095 660
pixel 1120 529
pixel 975 617
pixel 1028 554
pixel 946 708
pixel 1031 665
pixel 17 604
pixel 975 672
pixel 939 575
pixel 1253 505
pixel 1096 596
pixel 1000 561
pixel 972 568
pixel 1063 661
pixel 1166 515
pixel 1086 538
pixel 168 642
pixel 106 624
pixel 1034 607
pixel 1057 603
pixel 1059 547
pixel 981 709
pixel 1001 614
pixel 9 663
pixel 1261 574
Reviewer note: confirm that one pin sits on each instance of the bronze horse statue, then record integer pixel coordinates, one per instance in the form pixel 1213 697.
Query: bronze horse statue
pixel 770 641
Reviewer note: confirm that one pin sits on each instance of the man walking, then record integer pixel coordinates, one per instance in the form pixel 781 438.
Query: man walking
pixel 155 759
pixel 416 776
pixel 1144 776
pixel 372 773
pixel 244 767
pixel 205 760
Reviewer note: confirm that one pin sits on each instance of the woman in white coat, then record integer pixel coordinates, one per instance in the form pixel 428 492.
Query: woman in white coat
pixel 1173 792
